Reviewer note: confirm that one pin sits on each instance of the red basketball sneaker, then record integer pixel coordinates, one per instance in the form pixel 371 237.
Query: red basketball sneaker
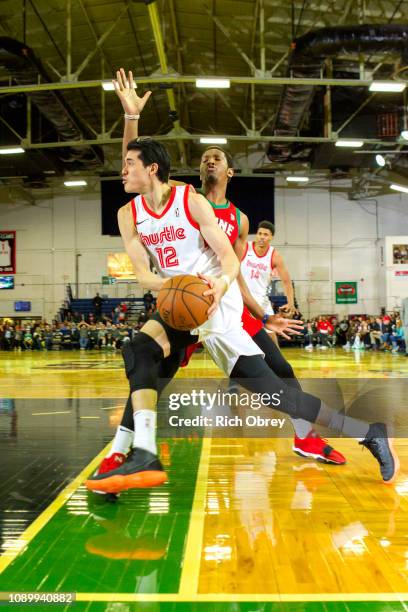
pixel 110 463
pixel 317 448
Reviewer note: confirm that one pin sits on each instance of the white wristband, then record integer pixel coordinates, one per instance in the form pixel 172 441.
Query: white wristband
pixel 131 117
pixel 227 280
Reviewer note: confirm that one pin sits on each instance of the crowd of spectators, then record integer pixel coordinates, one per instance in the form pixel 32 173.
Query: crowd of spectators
pixel 383 333
pixel 75 332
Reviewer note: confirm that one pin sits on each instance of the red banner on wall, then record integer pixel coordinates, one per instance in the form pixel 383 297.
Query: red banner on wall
pixel 7 252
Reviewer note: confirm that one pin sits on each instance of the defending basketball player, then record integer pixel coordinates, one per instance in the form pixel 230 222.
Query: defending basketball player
pixel 201 248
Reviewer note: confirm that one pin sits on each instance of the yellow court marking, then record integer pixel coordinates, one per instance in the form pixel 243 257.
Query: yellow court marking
pixel 48 413
pixel 244 597
pixel 192 556
pixel 19 545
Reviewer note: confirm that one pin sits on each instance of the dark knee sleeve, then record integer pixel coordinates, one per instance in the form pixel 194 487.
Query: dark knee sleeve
pixel 142 357
pixel 167 370
pixel 275 360
pixel 252 373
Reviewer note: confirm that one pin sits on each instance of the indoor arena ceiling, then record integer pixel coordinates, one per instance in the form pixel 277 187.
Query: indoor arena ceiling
pixel 287 104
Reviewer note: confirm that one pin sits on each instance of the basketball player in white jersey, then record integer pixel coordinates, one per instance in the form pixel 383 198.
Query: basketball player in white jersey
pixel 178 232
pixel 216 170
pixel 260 263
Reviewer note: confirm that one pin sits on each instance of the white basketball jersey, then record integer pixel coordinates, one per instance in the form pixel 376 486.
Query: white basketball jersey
pixel 5 253
pixel 173 238
pixel 257 272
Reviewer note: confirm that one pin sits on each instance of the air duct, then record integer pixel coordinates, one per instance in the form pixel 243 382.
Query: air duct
pixel 306 61
pixel 25 69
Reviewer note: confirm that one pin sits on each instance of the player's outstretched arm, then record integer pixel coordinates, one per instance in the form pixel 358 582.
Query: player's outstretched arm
pixel 279 264
pixel 136 251
pixel 203 214
pixel 132 105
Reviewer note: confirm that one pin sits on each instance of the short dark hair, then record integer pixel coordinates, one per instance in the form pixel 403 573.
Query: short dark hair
pixel 228 156
pixel 152 152
pixel 267 225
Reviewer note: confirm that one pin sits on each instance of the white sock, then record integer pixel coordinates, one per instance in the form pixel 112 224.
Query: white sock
pixel 122 441
pixel 145 430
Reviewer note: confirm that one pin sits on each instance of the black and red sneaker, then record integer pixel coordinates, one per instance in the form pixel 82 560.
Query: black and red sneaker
pixel 142 469
pixel 315 447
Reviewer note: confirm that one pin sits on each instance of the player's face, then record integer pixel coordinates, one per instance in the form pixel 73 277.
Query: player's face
pixel 263 237
pixel 214 167
pixel 135 177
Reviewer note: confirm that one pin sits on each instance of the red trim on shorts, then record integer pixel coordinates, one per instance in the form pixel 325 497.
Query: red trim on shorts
pixel 259 256
pixel 133 207
pixel 245 252
pixel 168 205
pixel 187 210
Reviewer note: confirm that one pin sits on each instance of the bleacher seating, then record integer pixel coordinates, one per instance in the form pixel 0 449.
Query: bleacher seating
pixel 85 306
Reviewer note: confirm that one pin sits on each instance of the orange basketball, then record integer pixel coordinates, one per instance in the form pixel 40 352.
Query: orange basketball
pixel 181 303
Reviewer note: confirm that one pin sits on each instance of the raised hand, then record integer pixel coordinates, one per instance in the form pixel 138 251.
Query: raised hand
pixel 124 87
pixel 284 327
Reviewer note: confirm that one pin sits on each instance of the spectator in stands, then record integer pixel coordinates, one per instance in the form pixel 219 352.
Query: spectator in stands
pixel 142 318
pixel 374 327
pixel 48 337
pixel 83 329
pixel 324 330
pixel 397 337
pixel 386 331
pixel 341 330
pixel 27 339
pixel 37 338
pixel 309 335
pixel 101 335
pixel 97 306
pixel 123 312
pixel 148 299
pixel 57 338
pixel 151 310
pixel 93 337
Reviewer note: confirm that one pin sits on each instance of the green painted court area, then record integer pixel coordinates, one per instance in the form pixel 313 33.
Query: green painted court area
pixel 132 546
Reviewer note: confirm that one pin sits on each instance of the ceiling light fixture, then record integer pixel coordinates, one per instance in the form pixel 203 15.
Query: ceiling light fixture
pixel 387 86
pixel 399 188
pixel 297 179
pixel 79 183
pixel 11 150
pixel 404 134
pixel 380 159
pixel 213 140
pixel 349 143
pixel 213 83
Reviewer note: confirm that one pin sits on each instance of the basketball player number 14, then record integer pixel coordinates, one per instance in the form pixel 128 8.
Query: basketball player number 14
pixel 167 257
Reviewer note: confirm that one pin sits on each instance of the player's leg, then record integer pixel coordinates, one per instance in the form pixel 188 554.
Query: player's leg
pixel 235 352
pixel 143 357
pixel 253 374
pixel 307 442
pixel 124 436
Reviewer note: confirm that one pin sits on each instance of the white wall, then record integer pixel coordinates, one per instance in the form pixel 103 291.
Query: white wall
pixel 49 236
pixel 322 235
